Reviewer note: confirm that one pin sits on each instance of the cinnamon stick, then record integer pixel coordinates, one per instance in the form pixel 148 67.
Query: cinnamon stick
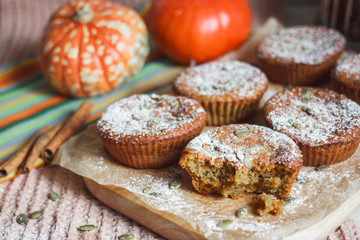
pixel 38 146
pixel 14 162
pixel 70 128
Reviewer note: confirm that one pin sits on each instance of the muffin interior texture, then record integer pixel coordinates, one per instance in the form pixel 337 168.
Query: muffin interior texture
pixel 229 182
pixel 237 159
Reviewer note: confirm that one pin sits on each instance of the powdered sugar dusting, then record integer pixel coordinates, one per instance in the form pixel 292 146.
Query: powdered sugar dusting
pixel 241 144
pixel 308 45
pixel 314 116
pixel 148 115
pixel 219 78
pixel 351 67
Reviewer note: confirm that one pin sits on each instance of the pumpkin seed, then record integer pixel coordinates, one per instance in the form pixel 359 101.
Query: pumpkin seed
pixel 148 105
pixel 294 123
pixel 225 223
pixel 288 200
pixel 22 219
pixel 156 194
pixel 174 105
pixel 150 190
pixel 175 184
pixel 126 237
pixel 297 125
pixel 308 110
pixel 87 227
pixel 307 92
pixel 202 87
pixel 306 95
pixel 307 98
pixel 301 179
pixel 54 196
pixel 241 131
pixel 152 123
pixel 318 61
pixel 36 215
pixel 241 212
pixel 318 124
pixel 322 167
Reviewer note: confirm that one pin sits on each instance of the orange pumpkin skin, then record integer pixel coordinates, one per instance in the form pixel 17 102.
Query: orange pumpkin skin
pixel 198 30
pixel 91 47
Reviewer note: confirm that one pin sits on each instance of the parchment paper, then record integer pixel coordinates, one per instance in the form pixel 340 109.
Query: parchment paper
pixel 323 192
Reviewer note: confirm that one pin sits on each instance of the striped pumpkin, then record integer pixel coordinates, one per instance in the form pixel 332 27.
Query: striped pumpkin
pixel 91 47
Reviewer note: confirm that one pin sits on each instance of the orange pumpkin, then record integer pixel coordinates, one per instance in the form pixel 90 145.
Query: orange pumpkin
pixel 91 47
pixel 198 30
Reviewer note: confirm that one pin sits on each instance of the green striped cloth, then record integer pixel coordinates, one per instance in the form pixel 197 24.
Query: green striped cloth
pixel 28 103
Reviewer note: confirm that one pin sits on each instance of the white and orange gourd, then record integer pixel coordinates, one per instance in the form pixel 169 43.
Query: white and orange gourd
pixel 91 47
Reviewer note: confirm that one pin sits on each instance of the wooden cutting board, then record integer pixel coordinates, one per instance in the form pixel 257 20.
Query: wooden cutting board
pixel 125 202
pixel 322 203
pixel 174 227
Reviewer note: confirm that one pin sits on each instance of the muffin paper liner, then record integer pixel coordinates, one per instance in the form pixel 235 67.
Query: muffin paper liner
pixel 297 73
pixel 326 155
pixel 157 153
pixel 222 113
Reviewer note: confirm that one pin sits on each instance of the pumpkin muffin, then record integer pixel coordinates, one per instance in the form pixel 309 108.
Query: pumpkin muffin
pixel 324 124
pixel 346 78
pixel 150 131
pixel 240 158
pixel 300 55
pixel 229 91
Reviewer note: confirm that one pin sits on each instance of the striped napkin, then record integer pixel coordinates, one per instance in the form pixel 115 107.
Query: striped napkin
pixel 28 103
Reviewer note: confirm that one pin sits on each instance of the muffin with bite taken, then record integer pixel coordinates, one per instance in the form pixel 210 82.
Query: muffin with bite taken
pixel 236 159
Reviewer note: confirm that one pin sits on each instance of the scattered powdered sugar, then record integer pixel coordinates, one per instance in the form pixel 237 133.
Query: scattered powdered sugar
pixel 351 67
pixel 315 119
pixel 308 45
pixel 148 114
pixel 219 78
pixel 315 198
pixel 241 144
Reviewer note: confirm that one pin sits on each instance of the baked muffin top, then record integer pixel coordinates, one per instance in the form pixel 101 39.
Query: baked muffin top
pixel 349 70
pixel 243 144
pixel 313 116
pixel 302 44
pixel 230 78
pixel 143 115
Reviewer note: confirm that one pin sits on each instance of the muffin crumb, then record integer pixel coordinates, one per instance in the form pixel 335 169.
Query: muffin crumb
pixel 269 204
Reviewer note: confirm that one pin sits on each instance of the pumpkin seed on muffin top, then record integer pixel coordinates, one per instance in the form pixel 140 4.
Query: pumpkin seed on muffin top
pixel 325 124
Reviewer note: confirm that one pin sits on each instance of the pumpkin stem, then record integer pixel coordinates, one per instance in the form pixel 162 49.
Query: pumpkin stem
pixel 84 14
